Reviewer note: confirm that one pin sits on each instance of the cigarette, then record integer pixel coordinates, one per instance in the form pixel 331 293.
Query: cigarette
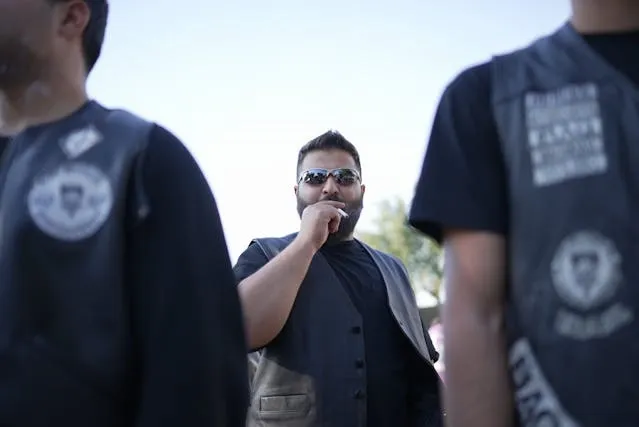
pixel 342 213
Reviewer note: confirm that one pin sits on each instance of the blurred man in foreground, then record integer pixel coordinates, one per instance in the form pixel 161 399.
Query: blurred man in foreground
pixel 118 305
pixel 531 181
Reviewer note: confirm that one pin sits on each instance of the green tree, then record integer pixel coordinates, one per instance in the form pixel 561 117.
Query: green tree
pixel 421 256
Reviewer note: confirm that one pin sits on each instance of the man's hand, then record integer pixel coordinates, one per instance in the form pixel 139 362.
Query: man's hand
pixel 319 221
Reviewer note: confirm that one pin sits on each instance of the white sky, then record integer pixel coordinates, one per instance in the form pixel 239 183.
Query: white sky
pixel 244 84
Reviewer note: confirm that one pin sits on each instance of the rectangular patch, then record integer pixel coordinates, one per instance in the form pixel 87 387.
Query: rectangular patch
pixel 565 134
pixel 80 141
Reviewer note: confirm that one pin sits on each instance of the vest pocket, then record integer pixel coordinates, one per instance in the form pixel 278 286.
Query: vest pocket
pixel 282 407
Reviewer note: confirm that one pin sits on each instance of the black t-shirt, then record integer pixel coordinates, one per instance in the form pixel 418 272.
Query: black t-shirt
pixel 186 320
pixel 463 181
pixel 398 382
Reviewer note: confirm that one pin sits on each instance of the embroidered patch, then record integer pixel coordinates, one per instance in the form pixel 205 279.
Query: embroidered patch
pixel 586 269
pixel 80 141
pixel 586 273
pixel 565 134
pixel 72 203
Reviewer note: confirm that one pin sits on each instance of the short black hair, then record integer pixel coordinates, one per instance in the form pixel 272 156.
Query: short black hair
pixel 93 37
pixel 331 140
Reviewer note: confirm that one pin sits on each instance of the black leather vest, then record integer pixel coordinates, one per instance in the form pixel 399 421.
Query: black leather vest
pixel 63 312
pixel 305 377
pixel 569 128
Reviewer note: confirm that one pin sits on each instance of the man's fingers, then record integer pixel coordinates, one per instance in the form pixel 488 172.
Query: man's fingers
pixel 333 224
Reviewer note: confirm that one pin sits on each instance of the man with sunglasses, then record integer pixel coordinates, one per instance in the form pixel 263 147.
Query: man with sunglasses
pixel 337 335
pixel 531 181
pixel 118 305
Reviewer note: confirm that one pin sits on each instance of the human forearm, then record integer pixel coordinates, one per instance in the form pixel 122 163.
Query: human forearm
pixel 268 295
pixel 478 391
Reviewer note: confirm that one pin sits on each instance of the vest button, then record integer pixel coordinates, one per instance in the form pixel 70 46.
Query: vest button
pixel 359 363
pixel 359 394
pixel 356 330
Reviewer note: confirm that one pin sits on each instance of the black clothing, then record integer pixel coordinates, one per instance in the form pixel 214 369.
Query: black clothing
pixel 463 179
pixel 540 146
pixel 400 385
pixel 117 300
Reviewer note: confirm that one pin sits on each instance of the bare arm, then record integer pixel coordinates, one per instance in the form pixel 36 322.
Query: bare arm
pixel 268 295
pixel 478 391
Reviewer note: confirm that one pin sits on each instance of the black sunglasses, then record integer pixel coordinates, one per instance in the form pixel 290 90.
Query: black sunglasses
pixel 318 176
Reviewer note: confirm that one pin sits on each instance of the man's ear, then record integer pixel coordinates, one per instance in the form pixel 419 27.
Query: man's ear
pixel 73 18
pixel 363 187
pixel 295 189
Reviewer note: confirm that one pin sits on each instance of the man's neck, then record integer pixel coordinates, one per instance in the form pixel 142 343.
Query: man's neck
pixel 38 103
pixel 605 16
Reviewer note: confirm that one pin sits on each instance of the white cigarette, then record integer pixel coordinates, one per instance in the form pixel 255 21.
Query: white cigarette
pixel 342 213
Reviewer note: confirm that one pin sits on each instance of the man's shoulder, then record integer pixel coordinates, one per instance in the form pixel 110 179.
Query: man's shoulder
pixel 287 238
pixel 121 116
pixel 395 260
pixel 159 137
pixel 270 246
pixel 477 80
pixel 164 152
pixel 473 80
pixel 477 71
pixel 145 133
pixel 516 71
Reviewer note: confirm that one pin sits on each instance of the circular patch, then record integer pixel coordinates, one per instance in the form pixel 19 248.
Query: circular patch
pixel 72 203
pixel 586 269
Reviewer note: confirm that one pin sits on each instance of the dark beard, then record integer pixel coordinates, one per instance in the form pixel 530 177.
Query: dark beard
pixel 346 225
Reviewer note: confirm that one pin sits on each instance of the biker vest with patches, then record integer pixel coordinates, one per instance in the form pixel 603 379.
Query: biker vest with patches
pixel 306 377
pixel 569 129
pixel 64 328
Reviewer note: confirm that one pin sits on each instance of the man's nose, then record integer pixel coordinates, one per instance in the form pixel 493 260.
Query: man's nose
pixel 330 186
